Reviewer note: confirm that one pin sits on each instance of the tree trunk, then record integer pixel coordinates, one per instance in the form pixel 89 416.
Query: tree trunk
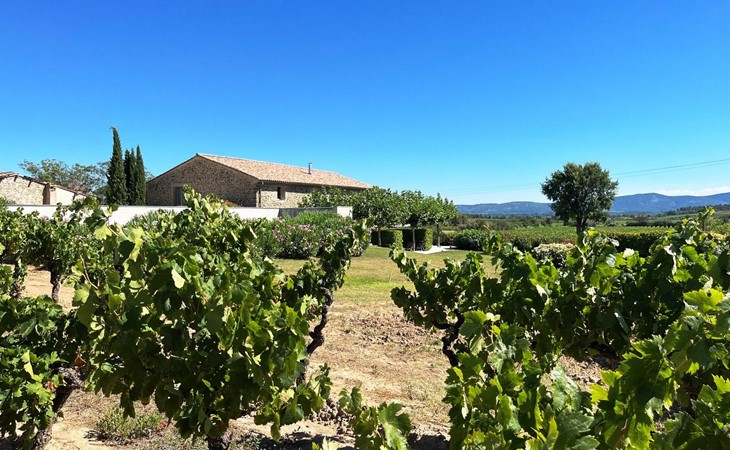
pixel 56 281
pixel 317 334
pixel 71 381
pixel 20 271
pixel 413 244
pixel 451 334
pixel 438 235
pixel 380 238
pixel 580 225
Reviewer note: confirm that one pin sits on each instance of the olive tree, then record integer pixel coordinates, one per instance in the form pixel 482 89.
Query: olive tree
pixel 439 210
pixel 387 208
pixel 580 193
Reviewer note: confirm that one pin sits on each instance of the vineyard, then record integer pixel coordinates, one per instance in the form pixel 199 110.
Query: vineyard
pixel 527 238
pixel 187 316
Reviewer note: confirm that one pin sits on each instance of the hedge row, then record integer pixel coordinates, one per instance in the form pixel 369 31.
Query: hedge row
pixel 424 238
pixel 470 239
pixel 528 238
pixel 525 239
pixel 640 241
pixel 388 238
pixel 403 238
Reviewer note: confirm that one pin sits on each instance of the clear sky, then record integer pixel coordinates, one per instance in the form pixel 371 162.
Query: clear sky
pixel 477 100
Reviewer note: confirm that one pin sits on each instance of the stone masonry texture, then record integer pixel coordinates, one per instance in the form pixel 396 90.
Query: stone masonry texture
pixel 210 177
pixel 20 190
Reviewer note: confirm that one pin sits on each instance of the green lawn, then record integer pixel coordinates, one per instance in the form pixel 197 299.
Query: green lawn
pixel 373 275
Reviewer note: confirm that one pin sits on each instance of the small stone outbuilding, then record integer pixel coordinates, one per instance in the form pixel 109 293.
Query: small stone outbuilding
pixel 244 182
pixel 22 190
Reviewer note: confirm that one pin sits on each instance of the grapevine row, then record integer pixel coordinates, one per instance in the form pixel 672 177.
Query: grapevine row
pixel 664 319
pixel 183 314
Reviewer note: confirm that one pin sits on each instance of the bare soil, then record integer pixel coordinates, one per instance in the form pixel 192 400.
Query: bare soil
pixel 38 284
pixel 367 344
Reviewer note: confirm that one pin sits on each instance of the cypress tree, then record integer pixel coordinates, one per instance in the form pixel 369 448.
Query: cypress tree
pixel 116 181
pixel 141 179
pixel 130 175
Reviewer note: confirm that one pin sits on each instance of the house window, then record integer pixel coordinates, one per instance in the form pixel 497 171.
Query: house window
pixel 281 193
pixel 178 194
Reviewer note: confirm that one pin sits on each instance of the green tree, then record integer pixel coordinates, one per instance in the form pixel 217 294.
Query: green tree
pixel 417 213
pixel 141 179
pixel 580 193
pixel 386 207
pixel 116 181
pixel 438 211
pixel 84 178
pixel 130 176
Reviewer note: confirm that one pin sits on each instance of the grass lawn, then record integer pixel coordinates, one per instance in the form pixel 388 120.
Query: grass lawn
pixel 372 275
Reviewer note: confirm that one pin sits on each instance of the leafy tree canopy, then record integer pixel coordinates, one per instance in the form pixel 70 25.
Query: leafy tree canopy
pixel 387 208
pixel 580 193
pixel 85 178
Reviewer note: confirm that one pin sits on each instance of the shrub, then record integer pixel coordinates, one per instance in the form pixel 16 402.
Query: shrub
pixel 316 227
pixel 640 240
pixel 300 237
pixel 470 239
pixel 651 222
pixel 328 224
pixel 297 241
pixel 525 239
pixel 149 220
pixel 114 426
pixel 266 244
pixel 389 238
pixel 424 238
pixel 322 219
pixel 554 253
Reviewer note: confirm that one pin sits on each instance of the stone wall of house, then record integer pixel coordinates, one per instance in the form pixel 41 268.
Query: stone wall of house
pixel 293 194
pixel 21 191
pixel 64 197
pixel 206 177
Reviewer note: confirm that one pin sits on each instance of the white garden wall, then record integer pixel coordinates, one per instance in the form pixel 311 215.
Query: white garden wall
pixel 125 213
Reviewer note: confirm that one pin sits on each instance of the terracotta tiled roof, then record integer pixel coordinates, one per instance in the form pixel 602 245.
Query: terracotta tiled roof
pixel 282 173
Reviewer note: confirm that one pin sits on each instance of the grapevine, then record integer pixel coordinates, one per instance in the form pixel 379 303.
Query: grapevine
pixel 664 318
pixel 189 318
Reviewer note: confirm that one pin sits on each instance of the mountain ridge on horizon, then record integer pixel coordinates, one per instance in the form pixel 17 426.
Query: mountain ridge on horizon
pixel 651 203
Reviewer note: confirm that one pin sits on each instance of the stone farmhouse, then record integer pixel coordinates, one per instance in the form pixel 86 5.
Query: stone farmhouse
pixel 244 182
pixel 22 190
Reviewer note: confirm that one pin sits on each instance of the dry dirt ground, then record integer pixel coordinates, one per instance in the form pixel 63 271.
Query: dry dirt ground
pixel 368 345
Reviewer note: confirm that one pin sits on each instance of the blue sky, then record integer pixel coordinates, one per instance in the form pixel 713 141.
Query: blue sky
pixel 479 101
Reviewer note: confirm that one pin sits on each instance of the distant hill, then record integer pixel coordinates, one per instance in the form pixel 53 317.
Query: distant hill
pixel 507 209
pixel 625 204
pixel 657 203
